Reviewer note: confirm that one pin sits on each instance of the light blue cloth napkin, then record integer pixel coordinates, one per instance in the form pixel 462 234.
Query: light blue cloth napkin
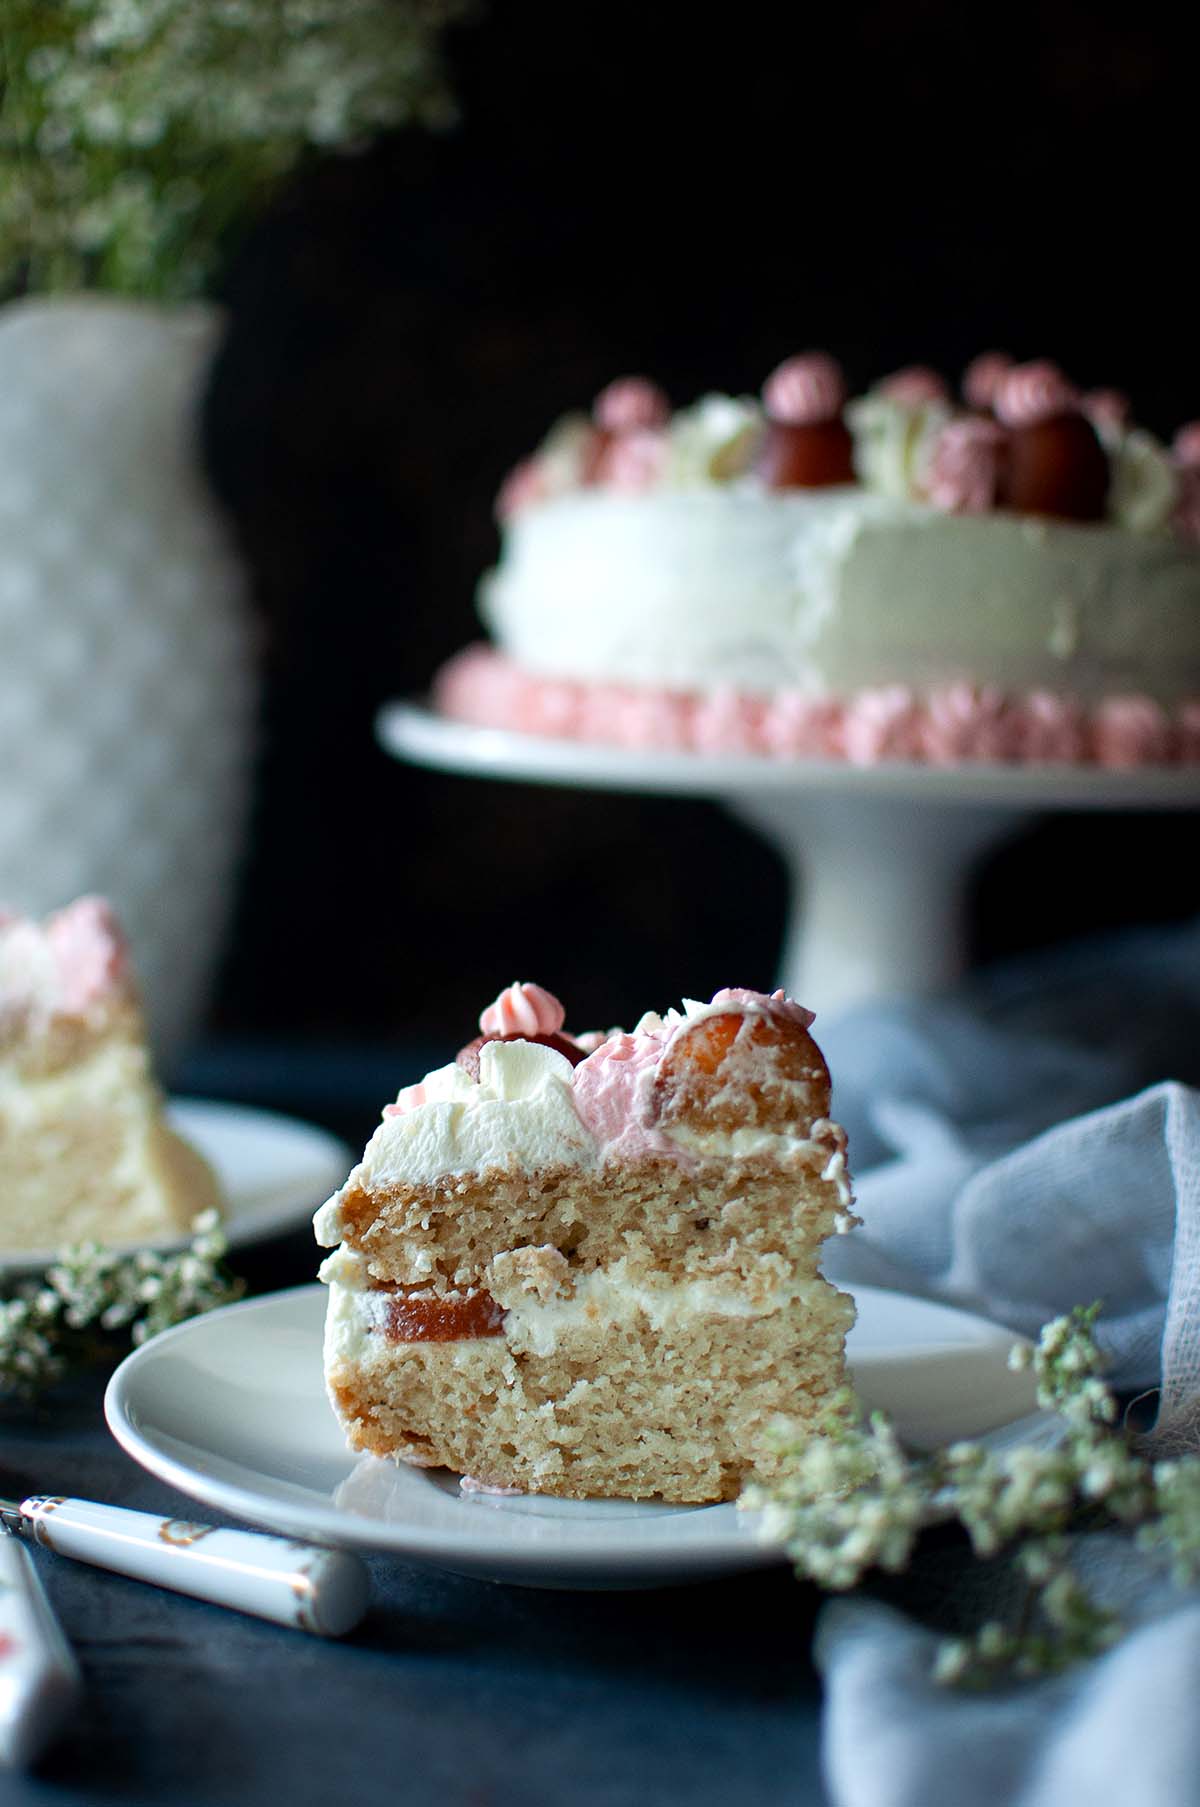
pixel 1031 1144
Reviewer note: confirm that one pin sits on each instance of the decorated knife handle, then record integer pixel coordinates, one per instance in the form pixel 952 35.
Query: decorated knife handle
pixel 39 1679
pixel 296 1584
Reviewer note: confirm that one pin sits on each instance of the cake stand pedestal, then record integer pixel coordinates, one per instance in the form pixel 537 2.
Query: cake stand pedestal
pixel 878 856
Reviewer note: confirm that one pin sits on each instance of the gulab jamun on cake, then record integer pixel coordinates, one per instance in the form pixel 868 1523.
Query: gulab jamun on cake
pixel 86 1152
pixel 1006 573
pixel 588 1265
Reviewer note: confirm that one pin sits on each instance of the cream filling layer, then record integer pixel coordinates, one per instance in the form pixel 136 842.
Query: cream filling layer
pixel 357 1313
pixel 607 1297
pixel 825 1139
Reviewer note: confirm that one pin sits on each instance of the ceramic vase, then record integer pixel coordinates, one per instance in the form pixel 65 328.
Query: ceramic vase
pixel 127 663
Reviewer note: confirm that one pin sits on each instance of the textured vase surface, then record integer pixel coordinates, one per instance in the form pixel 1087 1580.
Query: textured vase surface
pixel 127 682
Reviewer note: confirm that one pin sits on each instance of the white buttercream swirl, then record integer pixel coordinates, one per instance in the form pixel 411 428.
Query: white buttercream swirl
pixel 711 442
pixel 1144 487
pixel 519 1114
pixel 892 439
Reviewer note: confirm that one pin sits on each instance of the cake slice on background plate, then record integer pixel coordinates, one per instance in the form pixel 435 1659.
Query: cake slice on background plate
pixel 589 1266
pixel 85 1149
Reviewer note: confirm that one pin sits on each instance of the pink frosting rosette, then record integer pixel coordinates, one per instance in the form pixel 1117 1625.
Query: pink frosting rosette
pixel 1051 728
pixel 478 685
pixel 523 1009
pixel 1028 394
pixel 1185 447
pixel 982 378
pixel 916 386
pixel 728 721
pixel 658 720
pixel 962 473
pixel 548 706
pixel 1130 731
pixel 798 726
pixel 882 724
pixel 1185 517
pixel 90 954
pixel 1187 731
pixel 628 403
pixel 805 391
pixel 968 722
pixel 89 959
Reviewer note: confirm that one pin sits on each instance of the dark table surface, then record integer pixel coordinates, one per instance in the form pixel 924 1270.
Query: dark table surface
pixel 454 1691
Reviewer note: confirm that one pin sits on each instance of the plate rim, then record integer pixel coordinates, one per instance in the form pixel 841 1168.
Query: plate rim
pixel 411 729
pixel 733 1544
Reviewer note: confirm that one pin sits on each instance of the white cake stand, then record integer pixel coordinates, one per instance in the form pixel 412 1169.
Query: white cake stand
pixel 878 855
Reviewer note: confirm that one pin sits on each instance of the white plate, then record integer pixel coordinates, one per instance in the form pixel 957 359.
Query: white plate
pixel 415 731
pixel 231 1409
pixel 274 1172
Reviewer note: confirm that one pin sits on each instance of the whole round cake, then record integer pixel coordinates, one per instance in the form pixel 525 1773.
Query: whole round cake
pixel 1012 573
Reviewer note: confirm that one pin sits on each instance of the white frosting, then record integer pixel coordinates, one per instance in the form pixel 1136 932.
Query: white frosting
pixel 28 967
pixel 345 1268
pixel 837 590
pixel 711 441
pixel 1144 485
pixel 891 441
pixel 519 1114
pixel 352 1320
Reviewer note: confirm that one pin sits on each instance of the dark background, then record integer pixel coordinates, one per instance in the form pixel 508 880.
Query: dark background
pixel 632 189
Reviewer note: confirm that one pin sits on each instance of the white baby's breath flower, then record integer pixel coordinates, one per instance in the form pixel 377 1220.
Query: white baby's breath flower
pixel 90 1290
pixel 228 94
pixel 952 1662
pixel 850 1499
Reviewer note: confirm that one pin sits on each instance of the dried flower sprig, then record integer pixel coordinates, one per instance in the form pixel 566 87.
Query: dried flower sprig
pixel 94 1299
pixel 135 135
pixel 852 1500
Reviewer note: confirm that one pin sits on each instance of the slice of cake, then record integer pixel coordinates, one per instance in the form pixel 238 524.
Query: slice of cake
pixel 588 1265
pixel 85 1151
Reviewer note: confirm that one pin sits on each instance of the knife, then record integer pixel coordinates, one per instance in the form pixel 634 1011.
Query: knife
pixel 297 1584
pixel 39 1678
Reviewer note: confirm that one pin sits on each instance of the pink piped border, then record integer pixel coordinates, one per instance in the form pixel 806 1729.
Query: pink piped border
pixel 956 724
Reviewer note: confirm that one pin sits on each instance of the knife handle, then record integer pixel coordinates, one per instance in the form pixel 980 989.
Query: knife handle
pixel 298 1584
pixel 39 1678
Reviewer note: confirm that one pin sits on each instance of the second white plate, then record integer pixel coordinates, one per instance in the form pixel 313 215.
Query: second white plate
pixel 231 1409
